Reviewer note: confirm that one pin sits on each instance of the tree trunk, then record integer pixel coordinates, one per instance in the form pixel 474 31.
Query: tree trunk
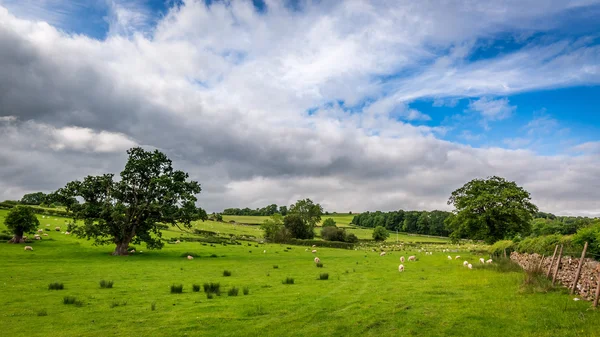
pixel 18 238
pixel 121 248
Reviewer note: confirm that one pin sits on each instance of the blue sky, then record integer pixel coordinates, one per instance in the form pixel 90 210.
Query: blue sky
pixel 359 105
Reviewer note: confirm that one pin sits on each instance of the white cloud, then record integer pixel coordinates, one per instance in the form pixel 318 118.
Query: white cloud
pixel 224 91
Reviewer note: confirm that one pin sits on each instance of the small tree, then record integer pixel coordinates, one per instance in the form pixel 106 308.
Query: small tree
pixel 351 238
pixel 36 198
pixel 20 220
pixel 380 233
pixel 332 233
pixel 329 222
pixel 308 211
pixel 273 227
pixel 297 227
pixel 132 210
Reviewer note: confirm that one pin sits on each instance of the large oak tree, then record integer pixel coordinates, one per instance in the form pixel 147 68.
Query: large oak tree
pixel 149 195
pixel 20 220
pixel 490 209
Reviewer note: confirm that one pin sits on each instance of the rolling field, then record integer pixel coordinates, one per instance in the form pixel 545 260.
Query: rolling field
pixel 365 294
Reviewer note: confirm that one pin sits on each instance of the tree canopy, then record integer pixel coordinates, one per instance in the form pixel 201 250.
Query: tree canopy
pixel 490 209
pixel 308 211
pixel 380 233
pixel 20 220
pixel 36 198
pixel 297 227
pixel 131 210
pixel 329 222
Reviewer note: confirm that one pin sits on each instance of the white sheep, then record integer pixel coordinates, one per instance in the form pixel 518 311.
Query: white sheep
pixel 317 260
pixel 57 229
pixel 489 261
pixel 402 259
pixel 382 254
pixel 466 263
pixel 313 246
pixel 412 258
pixel 482 260
pixel 28 248
pixel 67 233
pixel 457 257
pixel 470 266
pixel 40 230
pixel 264 251
pixel 401 268
pixel 45 234
pixel 190 257
pixel 177 241
pixel 449 257
pixel 132 251
pixel 314 251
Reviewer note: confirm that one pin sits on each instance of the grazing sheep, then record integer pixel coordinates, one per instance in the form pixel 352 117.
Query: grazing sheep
pixel 264 251
pixel 382 254
pixel 40 230
pixel 177 241
pixel 402 259
pixel 313 246
pixel 482 260
pixel 317 260
pixel 489 261
pixel 401 268
pixel 412 258
pixel 45 234
pixel 470 266
pixel 132 251
pixel 449 257
pixel 190 257
pixel 28 248
pixel 37 237
pixel 314 251
pixel 306 250
pixel 67 233
pixel 466 263
pixel 457 257
pixel 57 229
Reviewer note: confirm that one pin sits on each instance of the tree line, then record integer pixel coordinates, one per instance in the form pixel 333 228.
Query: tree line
pixel 418 222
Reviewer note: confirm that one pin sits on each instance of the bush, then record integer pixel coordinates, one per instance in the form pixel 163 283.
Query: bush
pixel 380 233
pixel 72 300
pixel 288 280
pixel 209 296
pixel 329 222
pixel 333 234
pixel 591 235
pixel 42 312
pixel 176 289
pixel 153 306
pixel 275 266
pixel 106 284
pixel 324 276
pixel 226 273
pixel 499 247
pixel 212 288
pixel 195 288
pixel 56 286
pixel 320 265
pixel 233 291
pixel 351 238
pixel 246 291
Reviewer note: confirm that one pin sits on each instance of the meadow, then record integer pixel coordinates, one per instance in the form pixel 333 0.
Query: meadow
pixel 364 294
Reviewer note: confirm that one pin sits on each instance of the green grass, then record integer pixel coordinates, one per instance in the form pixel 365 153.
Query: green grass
pixel 364 295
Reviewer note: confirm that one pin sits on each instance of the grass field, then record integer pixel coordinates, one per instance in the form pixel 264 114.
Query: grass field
pixel 365 294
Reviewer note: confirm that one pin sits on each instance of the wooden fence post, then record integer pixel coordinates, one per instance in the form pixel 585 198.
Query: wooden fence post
pixel 557 265
pixel 541 262
pixel 552 262
pixel 579 268
pixel 597 292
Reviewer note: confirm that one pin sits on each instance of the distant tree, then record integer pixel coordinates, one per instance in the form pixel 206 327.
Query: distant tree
pixel 36 198
pixel 273 227
pixel 410 221
pixel 329 222
pixel 20 220
pixel 297 227
pixel 132 210
pixel 423 223
pixel 332 233
pixel 350 212
pixel 283 210
pixel 351 237
pixel 308 211
pixel 380 233
pixel 491 210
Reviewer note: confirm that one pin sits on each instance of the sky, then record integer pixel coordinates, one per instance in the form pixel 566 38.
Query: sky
pixel 358 105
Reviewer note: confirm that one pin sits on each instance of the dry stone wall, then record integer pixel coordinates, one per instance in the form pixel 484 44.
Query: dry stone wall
pixel 590 272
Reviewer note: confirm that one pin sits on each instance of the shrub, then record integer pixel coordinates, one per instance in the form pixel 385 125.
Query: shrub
pixel 233 291
pixel 499 247
pixel 275 266
pixel 42 312
pixel 56 286
pixel 226 273
pixel 212 288
pixel 351 238
pixel 153 306
pixel 324 276
pixel 333 234
pixel 71 300
pixel 288 280
pixel 320 265
pixel 195 288
pixel 246 291
pixel 106 284
pixel 380 233
pixel 591 235
pixel 176 289
pixel 209 296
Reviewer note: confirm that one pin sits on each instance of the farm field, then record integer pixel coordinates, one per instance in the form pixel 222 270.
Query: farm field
pixel 365 294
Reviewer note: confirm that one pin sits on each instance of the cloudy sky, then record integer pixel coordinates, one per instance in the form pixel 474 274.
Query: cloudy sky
pixel 358 105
